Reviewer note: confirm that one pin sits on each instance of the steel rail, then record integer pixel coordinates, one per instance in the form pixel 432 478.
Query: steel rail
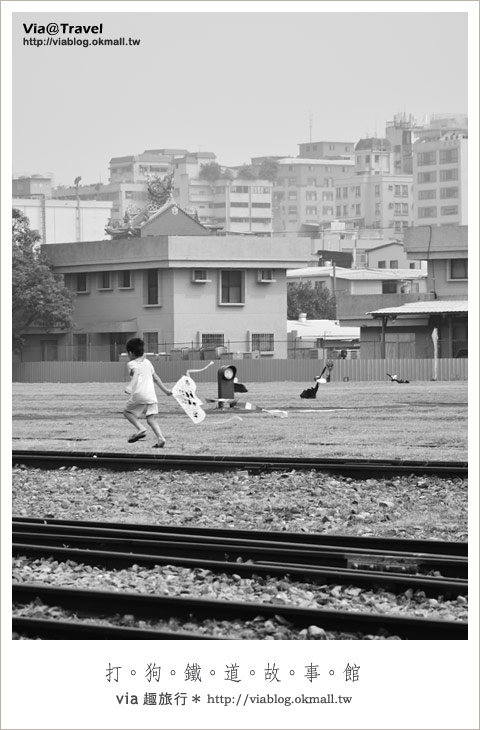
pixel 432 586
pixel 122 461
pixel 236 549
pixel 55 629
pixel 153 606
pixel 438 547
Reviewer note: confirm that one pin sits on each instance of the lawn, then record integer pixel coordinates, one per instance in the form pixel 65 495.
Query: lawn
pixel 421 420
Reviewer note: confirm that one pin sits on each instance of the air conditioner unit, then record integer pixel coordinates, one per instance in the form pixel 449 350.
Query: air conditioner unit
pixel 199 276
pixel 265 276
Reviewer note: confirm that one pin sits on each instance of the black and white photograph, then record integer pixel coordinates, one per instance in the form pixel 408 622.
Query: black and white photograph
pixel 238 407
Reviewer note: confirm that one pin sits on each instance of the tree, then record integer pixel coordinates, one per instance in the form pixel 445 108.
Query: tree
pixel 268 170
pixel 247 172
pixel 210 171
pixel 315 302
pixel 39 297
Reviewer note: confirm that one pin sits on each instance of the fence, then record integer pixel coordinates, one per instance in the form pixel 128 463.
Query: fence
pixel 248 371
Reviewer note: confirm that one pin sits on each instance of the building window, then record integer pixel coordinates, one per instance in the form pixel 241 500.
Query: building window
pixel 382 264
pixel 398 208
pixel 448 156
pixel 449 210
pixel 125 279
pixel 427 177
pixel 345 210
pixel 394 264
pixel 292 195
pixel 404 208
pixel 451 174
pixel 311 210
pixel 311 196
pixel 312 181
pixel 236 205
pixel 345 192
pixel 427 194
pixel 338 192
pixel 232 287
pixel 389 287
pixel 427 158
pixel 152 288
pixel 199 276
pixel 430 212
pixel 367 158
pixel 327 210
pixel 292 181
pixel 263 342
pixel 377 158
pixel 338 211
pixel 292 210
pixel 213 340
pixel 448 192
pixel 239 189
pixel 377 190
pixel 49 350
pixel 151 341
pixel 458 268
pixel 80 348
pixel 357 191
pixel 81 284
pixel 377 208
pixel 327 196
pixel 357 209
pixel 104 280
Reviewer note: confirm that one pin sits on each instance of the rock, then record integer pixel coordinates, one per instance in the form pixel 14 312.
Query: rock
pixel 317 632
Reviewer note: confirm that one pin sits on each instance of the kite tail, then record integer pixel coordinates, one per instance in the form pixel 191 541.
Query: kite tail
pixel 199 370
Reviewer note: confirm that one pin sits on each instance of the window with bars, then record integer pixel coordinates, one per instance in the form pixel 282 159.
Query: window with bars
pixel 213 340
pixel 151 341
pixel 263 342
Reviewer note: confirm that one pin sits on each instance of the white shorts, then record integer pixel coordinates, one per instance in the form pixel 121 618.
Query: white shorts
pixel 141 409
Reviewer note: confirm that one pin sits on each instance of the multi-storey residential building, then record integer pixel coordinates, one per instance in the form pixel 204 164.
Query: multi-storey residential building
pixel 28 186
pixel 176 292
pixel 373 196
pixel 326 150
pixel 304 191
pixel 231 203
pixel 440 169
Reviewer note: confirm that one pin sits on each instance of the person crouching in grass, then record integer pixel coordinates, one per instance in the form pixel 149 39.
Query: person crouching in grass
pixel 141 389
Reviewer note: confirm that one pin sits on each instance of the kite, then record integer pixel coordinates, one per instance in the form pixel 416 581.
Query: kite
pixel 184 393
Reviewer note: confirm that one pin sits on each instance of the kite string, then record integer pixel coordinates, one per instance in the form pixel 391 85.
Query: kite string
pixel 199 370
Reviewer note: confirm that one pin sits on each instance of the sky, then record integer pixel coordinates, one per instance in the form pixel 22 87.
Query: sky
pixel 239 84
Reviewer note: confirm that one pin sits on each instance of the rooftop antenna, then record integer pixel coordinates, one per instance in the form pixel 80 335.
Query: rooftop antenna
pixel 310 123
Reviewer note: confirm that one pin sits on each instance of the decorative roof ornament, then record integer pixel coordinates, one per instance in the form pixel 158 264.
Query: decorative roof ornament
pixel 160 193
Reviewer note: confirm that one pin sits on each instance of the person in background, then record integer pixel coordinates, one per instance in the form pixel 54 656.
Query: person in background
pixel 141 389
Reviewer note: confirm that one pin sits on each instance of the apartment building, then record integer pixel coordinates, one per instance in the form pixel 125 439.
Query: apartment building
pixel 440 170
pixel 325 150
pixel 304 191
pixel 229 203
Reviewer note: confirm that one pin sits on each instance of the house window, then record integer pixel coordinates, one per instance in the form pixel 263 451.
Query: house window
pixel 152 288
pixel 263 342
pixel 213 340
pixel 449 210
pixel 430 212
pixel 49 350
pixel 448 192
pixel 104 280
pixel 427 158
pixel 232 287
pixel 458 268
pixel 125 279
pixel 394 264
pixel 80 348
pixel 448 156
pixel 151 341
pixel 382 264
pixel 389 287
pixel 81 284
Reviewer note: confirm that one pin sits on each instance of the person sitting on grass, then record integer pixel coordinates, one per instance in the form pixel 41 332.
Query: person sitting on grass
pixel 141 389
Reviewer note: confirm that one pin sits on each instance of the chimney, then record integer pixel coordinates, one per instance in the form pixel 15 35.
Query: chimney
pixel 302 317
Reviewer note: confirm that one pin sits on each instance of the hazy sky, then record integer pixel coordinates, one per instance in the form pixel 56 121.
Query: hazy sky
pixel 238 84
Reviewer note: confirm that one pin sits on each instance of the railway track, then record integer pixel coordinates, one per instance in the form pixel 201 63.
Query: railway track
pixel 318 559
pixel 346 466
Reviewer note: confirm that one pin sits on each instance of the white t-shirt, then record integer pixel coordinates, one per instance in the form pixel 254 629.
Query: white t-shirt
pixel 144 391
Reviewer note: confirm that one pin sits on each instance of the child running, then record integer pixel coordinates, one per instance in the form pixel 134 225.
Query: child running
pixel 141 389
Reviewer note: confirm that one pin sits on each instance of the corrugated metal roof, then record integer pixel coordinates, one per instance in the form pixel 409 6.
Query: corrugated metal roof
pixel 326 328
pixel 357 274
pixel 316 161
pixel 434 307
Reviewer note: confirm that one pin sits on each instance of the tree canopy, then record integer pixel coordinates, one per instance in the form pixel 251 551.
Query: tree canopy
pixel 315 302
pixel 268 170
pixel 247 172
pixel 210 171
pixel 39 297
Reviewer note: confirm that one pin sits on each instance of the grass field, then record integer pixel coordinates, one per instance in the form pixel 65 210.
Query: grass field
pixel 421 420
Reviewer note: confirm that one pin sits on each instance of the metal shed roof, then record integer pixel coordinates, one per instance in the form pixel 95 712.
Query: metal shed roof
pixel 432 307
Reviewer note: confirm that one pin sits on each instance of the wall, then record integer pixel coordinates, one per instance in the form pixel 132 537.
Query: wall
pixel 61 218
pixel 254 371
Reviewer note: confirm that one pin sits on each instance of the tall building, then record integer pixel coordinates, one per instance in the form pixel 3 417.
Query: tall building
pixel 227 202
pixel 440 173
